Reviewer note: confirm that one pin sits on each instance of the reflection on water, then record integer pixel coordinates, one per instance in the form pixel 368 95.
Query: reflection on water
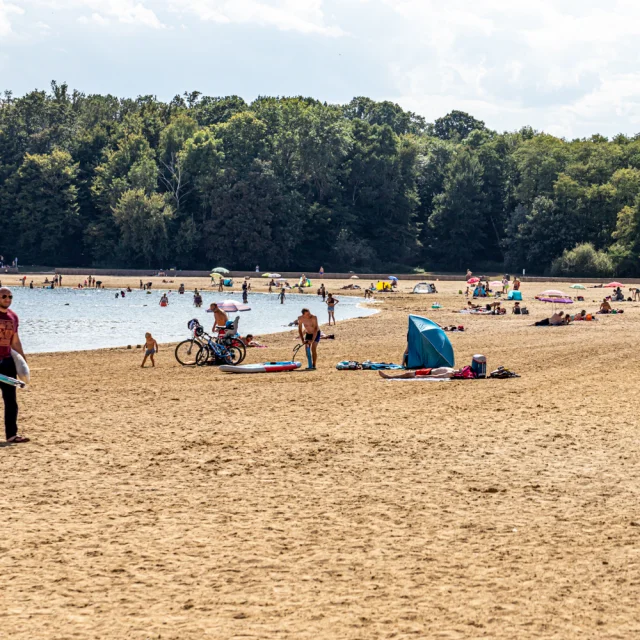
pixel 79 319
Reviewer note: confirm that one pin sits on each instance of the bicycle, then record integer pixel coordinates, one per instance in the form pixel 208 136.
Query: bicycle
pixel 187 350
pixel 213 352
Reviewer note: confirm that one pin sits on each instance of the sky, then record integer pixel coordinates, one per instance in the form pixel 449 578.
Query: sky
pixel 568 67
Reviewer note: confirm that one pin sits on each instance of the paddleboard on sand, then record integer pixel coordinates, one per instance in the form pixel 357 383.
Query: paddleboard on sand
pixel 11 381
pixel 22 367
pixel 263 367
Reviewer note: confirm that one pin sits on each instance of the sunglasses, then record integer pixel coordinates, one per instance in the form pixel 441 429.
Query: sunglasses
pixel 4 295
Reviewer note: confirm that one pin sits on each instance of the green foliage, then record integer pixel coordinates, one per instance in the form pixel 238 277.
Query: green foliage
pixel 583 261
pixel 142 220
pixel 45 221
pixel 292 182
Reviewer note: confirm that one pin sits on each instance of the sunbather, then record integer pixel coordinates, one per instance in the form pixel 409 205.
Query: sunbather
pixel 440 372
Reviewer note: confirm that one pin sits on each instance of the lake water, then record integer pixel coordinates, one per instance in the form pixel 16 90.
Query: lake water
pixel 81 319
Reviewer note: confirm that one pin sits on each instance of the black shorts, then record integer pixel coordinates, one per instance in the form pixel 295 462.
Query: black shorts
pixel 309 337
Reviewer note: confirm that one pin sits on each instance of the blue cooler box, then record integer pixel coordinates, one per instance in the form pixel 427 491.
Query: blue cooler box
pixel 479 366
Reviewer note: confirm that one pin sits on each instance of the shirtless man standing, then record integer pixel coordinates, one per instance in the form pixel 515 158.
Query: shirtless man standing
pixel 221 318
pixel 311 336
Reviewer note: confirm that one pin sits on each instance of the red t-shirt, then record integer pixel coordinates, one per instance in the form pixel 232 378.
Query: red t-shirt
pixel 8 326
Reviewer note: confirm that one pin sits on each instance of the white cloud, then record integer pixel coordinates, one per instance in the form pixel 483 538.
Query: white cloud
pixel 305 16
pixel 95 18
pixel 565 65
pixel 124 11
pixel 6 10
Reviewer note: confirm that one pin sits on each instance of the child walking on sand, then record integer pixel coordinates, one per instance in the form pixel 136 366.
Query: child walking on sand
pixel 150 348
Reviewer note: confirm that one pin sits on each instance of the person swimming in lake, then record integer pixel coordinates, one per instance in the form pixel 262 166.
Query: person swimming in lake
pixel 164 300
pixel 150 349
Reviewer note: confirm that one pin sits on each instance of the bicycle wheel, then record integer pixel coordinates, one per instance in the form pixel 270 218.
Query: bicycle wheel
pixel 186 352
pixel 233 355
pixel 237 344
pixel 203 355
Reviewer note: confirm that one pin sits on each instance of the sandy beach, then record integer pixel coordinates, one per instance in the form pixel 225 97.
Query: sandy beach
pixel 181 503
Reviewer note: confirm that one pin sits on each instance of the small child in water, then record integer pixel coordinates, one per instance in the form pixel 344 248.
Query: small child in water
pixel 150 348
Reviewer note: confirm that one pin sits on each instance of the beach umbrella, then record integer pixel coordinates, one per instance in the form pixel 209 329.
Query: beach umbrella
pixel 215 275
pixel 614 285
pixel 552 293
pixel 428 345
pixel 474 281
pixel 577 286
pixel 355 278
pixel 220 270
pixel 232 306
pixel 555 300
pixel 392 278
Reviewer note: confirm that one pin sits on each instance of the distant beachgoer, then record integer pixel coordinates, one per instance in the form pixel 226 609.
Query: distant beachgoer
pixel 31 285
pixel 181 289
pixel 322 292
pixel 321 271
pixel 141 284
pixel 605 307
pixel 331 307
pixel 150 349
pixel 221 285
pixel 9 339
pixel 257 268
pixel 197 299
pixel 469 273
pixel 164 300
pixel 440 372
pixel 250 341
pixel 311 335
pixel 282 295
pixel 516 284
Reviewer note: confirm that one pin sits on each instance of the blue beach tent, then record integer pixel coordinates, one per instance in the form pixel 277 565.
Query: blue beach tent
pixel 428 345
pixel 515 295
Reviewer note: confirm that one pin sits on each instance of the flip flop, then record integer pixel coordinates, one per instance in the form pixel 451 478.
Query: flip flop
pixel 17 440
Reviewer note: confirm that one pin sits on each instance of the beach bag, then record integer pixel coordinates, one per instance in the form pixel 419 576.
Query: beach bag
pixel 502 372
pixel 348 365
pixel 465 374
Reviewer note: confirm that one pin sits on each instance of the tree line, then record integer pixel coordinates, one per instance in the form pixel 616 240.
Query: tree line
pixel 294 183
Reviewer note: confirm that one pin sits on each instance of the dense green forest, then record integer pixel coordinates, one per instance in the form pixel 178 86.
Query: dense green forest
pixel 293 183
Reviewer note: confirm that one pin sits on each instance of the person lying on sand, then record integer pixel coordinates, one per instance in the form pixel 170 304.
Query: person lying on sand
pixel 250 341
pixel 555 320
pixel 440 372
pixel 470 305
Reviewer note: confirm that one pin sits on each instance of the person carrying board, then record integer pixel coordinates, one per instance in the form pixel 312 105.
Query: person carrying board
pixel 9 339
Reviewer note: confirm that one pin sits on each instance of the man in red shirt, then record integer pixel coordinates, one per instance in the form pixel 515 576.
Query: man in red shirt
pixel 9 339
